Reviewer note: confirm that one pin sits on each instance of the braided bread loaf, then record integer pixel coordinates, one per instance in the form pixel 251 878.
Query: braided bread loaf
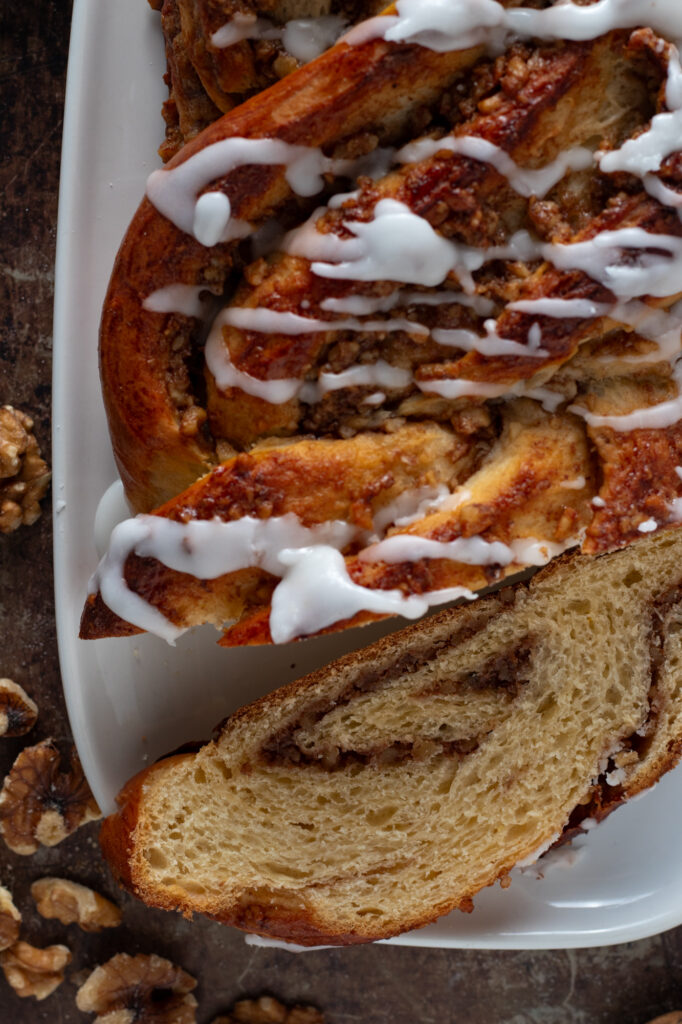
pixel 460 368
pixel 388 788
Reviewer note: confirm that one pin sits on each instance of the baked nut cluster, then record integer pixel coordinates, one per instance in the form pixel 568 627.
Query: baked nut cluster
pixel 24 475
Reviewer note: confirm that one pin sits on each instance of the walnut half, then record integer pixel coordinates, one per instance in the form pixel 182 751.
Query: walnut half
pixel 34 972
pixel 39 804
pixel 24 475
pixel 267 1010
pixel 138 989
pixel 72 903
pixel 18 713
pixel 10 919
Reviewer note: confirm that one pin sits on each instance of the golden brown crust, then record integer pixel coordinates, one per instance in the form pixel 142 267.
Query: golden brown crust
pixel 156 434
pixel 532 101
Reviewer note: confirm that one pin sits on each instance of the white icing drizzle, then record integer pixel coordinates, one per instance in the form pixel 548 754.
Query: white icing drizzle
pixel 412 505
pixel 548 399
pixel 462 388
pixel 176 298
pixel 242 25
pixel 174 191
pixel 583 309
pixel 644 155
pixel 364 305
pixel 657 272
pixel 303 38
pixel 315 589
pixel 317 592
pixel 205 549
pixel 491 344
pixel 273 321
pixel 524 181
pixel 226 374
pixel 377 375
pixel 656 325
pixel 307 38
pixel 654 417
pixel 443 25
pixel 648 526
pixel 440 25
pixel 397 245
pixel 212 213
pixel 468 550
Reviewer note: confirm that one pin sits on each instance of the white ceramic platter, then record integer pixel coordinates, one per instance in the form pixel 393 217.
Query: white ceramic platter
pixel 131 701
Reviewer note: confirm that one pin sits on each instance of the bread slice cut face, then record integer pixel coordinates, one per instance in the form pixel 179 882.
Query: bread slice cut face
pixel 388 788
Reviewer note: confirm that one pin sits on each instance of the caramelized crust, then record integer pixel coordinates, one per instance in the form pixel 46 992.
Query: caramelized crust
pixel 509 409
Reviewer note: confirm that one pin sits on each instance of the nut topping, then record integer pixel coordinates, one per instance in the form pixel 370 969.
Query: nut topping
pixel 72 903
pixel 34 972
pixel 40 804
pixel 18 713
pixel 24 476
pixel 10 919
pixel 138 990
pixel 267 1010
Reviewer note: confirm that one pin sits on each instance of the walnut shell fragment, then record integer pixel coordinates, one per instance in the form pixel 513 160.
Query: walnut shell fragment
pixel 34 972
pixel 18 713
pixel 138 990
pixel 24 475
pixel 72 903
pixel 41 805
pixel 267 1010
pixel 10 919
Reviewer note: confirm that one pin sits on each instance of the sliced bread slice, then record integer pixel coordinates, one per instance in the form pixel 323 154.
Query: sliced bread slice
pixel 391 786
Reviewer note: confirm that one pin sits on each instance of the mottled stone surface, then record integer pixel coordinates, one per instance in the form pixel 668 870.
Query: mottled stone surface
pixel 622 985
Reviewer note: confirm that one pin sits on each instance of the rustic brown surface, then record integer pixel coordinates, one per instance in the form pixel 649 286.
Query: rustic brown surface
pixel 628 984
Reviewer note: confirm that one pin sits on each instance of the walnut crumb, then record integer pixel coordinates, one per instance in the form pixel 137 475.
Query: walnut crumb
pixel 10 919
pixel 267 1010
pixel 72 903
pixel 34 972
pixel 41 805
pixel 134 989
pixel 18 713
pixel 24 475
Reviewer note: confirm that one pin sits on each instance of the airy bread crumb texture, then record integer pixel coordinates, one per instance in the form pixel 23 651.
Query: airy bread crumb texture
pixel 393 785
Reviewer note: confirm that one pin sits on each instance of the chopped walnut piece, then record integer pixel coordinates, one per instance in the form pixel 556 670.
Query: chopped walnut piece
pixel 34 972
pixel 267 1010
pixel 138 990
pixel 24 476
pixel 72 903
pixel 40 805
pixel 18 713
pixel 10 919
